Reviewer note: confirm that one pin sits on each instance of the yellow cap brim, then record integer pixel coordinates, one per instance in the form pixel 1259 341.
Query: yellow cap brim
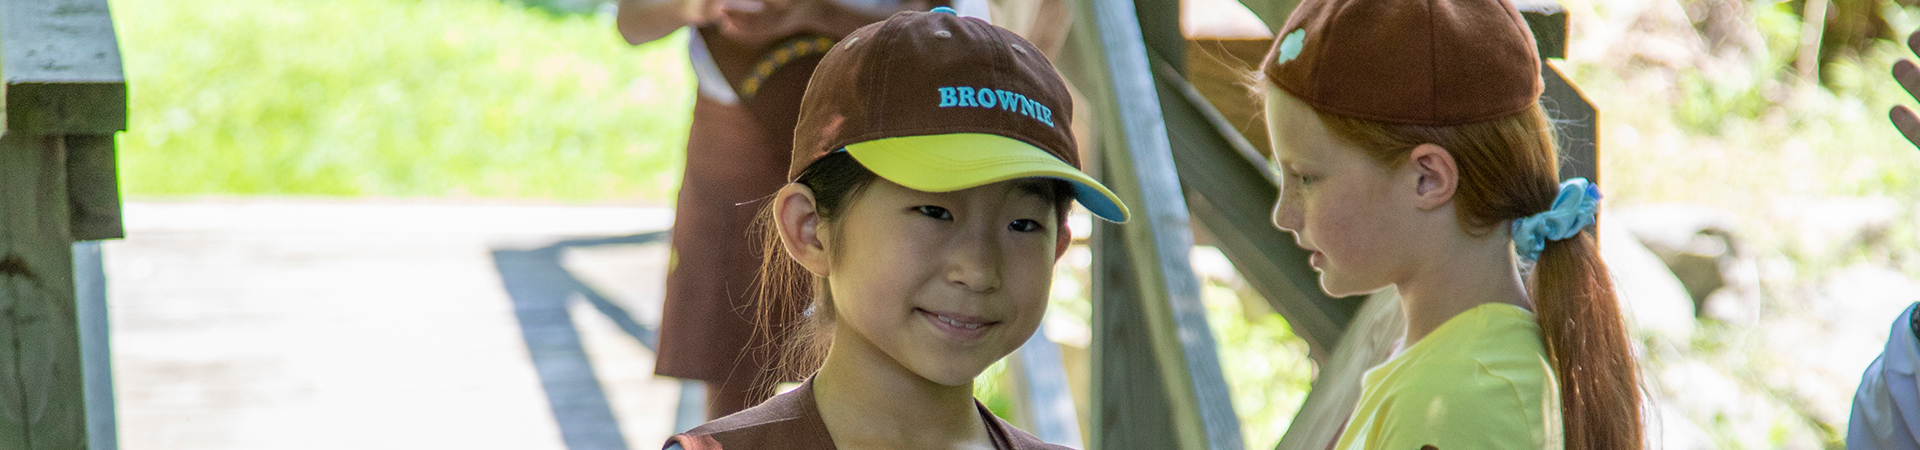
pixel 951 162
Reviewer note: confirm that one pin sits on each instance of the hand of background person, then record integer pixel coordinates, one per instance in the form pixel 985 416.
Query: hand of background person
pixel 643 21
pixel 1908 74
pixel 751 22
pixel 757 22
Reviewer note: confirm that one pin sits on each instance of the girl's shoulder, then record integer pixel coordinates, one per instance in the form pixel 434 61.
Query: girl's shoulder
pixel 1487 372
pixel 786 421
pixel 1006 436
pixel 792 421
pixel 1493 361
pixel 1468 409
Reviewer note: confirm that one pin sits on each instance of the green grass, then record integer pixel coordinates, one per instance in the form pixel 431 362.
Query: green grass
pixel 397 98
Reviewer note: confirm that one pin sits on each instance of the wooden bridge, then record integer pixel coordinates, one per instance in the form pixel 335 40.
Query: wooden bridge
pixel 1170 137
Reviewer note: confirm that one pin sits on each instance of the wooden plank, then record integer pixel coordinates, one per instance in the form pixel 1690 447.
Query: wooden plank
pixel 42 398
pixel 1045 402
pixel 1129 399
pixel 60 63
pixel 1577 123
pixel 540 289
pixel 1160 30
pixel 90 295
pixel 1137 161
pixel 93 188
pixel 1548 20
pixel 217 305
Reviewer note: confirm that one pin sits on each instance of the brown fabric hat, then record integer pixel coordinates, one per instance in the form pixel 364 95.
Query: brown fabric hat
pixel 1419 62
pixel 938 102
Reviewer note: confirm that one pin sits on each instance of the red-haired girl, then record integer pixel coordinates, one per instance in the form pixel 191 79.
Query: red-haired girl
pixel 1416 155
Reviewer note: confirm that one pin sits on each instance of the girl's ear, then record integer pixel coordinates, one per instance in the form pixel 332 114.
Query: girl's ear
pixel 1438 175
pixel 799 223
pixel 1061 240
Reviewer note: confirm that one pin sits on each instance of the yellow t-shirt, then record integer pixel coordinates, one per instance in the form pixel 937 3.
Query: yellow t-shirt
pixel 1479 381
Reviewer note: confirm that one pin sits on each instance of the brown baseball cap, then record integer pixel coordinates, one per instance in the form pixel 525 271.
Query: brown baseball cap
pixel 938 103
pixel 1419 62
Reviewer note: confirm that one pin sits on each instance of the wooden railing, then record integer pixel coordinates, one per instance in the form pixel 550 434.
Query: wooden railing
pixel 64 98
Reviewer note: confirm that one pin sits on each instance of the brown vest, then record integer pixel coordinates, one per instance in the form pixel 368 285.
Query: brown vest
pixel 792 421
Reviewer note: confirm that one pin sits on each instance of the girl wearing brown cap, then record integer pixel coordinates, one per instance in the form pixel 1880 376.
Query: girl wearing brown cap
pixel 931 172
pixel 751 60
pixel 1416 155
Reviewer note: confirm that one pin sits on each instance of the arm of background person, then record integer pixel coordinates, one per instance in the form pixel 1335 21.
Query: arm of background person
pixel 643 21
pixel 1908 74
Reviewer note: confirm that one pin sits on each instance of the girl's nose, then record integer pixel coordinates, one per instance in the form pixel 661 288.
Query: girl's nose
pixel 973 263
pixel 1286 216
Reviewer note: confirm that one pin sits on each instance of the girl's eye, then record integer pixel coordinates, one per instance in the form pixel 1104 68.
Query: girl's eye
pixel 1026 226
pixel 1304 180
pixel 934 212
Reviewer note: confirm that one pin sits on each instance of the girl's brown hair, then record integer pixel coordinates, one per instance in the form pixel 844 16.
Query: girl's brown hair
pixel 1509 170
pixel 793 310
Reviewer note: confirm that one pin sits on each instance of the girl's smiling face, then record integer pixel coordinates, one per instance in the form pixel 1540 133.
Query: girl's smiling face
pixel 942 284
pixel 1335 200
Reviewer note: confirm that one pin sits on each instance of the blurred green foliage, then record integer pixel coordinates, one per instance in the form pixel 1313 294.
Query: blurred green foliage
pixel 397 98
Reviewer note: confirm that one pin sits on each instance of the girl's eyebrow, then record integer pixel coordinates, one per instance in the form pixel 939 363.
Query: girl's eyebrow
pixel 1036 188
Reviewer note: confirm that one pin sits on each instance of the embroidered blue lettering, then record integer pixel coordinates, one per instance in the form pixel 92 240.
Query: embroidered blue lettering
pixel 981 97
pixel 947 98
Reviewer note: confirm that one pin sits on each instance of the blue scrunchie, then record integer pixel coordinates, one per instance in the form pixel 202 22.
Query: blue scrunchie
pixel 1572 211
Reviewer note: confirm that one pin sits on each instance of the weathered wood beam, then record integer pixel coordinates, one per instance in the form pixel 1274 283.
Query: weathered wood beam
pixel 42 394
pixel 1577 123
pixel 1131 409
pixel 1148 256
pixel 60 74
pixel 60 64
pixel 93 188
pixel 96 359
pixel 62 97
pixel 1548 20
pixel 1044 399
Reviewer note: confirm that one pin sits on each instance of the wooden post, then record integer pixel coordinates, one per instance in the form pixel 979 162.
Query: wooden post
pixel 1157 380
pixel 1043 398
pixel 64 98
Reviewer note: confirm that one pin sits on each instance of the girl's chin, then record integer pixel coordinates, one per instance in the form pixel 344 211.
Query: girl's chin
pixel 1335 287
pixel 953 377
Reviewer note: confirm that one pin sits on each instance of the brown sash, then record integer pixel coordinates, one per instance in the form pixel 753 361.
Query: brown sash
pixel 792 421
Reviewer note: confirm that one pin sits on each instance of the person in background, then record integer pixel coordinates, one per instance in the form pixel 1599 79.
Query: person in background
pixel 751 60
pixel 1886 407
pixel 1908 74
